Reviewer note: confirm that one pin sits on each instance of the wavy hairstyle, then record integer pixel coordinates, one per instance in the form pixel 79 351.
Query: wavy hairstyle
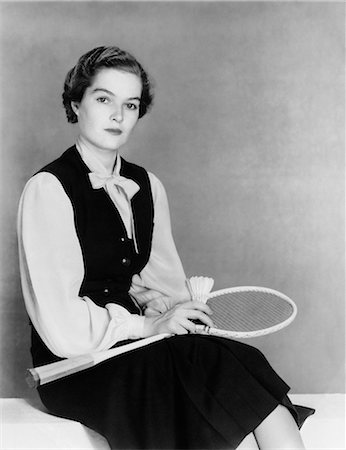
pixel 80 77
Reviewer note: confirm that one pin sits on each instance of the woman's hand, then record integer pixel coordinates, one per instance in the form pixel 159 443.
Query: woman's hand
pixel 162 304
pixel 177 320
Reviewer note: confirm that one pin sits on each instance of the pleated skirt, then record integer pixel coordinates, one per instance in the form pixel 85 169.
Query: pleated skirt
pixel 185 392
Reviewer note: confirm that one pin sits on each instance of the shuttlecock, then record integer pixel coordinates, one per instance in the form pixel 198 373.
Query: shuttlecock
pixel 200 287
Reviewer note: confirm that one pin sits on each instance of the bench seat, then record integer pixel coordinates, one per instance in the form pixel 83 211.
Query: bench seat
pixel 25 424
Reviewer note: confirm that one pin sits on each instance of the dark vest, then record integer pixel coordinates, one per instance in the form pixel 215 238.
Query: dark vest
pixel 109 256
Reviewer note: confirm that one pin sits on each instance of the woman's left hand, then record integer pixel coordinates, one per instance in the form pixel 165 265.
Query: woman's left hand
pixel 179 319
pixel 161 305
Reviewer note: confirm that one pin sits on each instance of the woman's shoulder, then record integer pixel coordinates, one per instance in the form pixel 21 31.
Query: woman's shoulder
pixel 42 183
pixel 64 172
pixel 43 192
pixel 65 162
pixel 155 181
pixel 157 188
pixel 134 171
pixel 47 180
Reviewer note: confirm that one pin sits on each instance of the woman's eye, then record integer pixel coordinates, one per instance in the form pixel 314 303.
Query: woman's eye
pixel 102 99
pixel 132 106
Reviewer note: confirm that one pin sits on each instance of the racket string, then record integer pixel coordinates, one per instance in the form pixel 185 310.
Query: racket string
pixel 248 311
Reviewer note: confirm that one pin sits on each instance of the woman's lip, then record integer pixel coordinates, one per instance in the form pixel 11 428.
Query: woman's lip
pixel 115 131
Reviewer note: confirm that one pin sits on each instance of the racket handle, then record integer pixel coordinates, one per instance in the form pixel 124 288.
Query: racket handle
pixel 202 329
pixel 51 372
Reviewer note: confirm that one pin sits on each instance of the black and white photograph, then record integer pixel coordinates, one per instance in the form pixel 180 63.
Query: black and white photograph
pixel 173 225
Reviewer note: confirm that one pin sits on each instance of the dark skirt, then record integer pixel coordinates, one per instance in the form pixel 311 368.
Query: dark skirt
pixel 185 392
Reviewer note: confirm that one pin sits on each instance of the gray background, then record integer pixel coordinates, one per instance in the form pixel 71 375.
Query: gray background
pixel 247 134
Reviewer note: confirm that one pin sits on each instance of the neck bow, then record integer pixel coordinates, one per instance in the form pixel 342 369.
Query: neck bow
pixel 121 190
pixel 124 185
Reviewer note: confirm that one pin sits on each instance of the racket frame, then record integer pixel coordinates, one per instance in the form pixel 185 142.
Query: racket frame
pixel 206 330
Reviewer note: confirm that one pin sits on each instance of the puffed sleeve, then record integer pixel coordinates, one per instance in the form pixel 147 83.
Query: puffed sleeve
pixel 161 283
pixel 52 271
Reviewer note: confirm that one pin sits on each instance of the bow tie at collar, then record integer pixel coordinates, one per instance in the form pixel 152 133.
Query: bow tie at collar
pixel 127 186
pixel 119 189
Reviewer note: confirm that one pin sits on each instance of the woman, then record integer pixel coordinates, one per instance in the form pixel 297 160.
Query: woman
pixel 99 268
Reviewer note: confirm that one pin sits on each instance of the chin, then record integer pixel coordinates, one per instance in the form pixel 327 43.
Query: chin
pixel 115 144
pixel 110 147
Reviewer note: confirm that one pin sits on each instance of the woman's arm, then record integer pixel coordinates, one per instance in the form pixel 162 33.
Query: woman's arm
pixel 52 271
pixel 161 284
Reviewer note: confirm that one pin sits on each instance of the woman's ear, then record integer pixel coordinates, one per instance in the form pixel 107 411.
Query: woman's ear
pixel 75 107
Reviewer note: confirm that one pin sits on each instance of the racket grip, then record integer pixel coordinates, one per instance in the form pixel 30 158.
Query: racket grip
pixel 45 374
pixel 202 329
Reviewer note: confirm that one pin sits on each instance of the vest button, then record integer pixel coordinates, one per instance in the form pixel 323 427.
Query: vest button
pixel 106 292
pixel 125 261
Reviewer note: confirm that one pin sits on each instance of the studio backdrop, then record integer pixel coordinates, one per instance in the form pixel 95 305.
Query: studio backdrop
pixel 246 133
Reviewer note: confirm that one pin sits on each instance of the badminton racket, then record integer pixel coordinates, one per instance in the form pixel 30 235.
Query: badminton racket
pixel 238 312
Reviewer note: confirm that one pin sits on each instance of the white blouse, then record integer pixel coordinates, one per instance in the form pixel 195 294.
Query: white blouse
pixel 52 270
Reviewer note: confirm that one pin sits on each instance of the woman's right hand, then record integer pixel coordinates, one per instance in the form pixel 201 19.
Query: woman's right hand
pixel 178 319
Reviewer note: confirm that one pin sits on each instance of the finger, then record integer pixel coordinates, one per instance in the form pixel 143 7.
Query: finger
pixel 197 305
pixel 188 325
pixel 203 307
pixel 180 329
pixel 180 314
pixel 199 315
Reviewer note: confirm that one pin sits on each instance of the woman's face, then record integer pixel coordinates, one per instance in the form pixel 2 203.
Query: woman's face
pixel 109 109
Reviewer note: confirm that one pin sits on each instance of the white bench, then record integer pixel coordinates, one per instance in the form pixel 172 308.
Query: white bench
pixel 24 424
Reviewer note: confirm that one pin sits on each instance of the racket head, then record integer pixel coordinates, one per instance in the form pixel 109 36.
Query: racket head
pixel 250 311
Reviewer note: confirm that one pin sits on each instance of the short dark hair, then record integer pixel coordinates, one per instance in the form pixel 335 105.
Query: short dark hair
pixel 80 77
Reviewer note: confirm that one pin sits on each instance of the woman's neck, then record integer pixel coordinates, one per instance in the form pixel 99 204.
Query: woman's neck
pixel 106 157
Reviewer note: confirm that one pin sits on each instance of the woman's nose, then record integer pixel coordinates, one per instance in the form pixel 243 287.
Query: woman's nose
pixel 117 115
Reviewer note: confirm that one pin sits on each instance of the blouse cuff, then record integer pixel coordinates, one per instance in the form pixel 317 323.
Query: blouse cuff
pixel 126 325
pixel 136 326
